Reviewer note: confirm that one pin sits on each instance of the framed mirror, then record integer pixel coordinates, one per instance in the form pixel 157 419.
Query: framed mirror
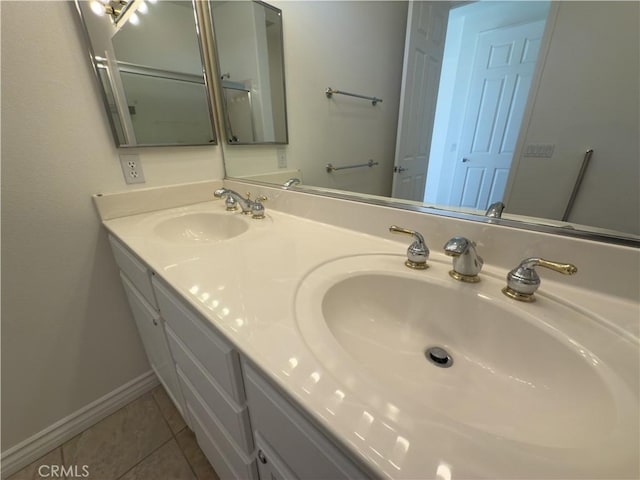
pixel 148 62
pixel 530 86
pixel 250 57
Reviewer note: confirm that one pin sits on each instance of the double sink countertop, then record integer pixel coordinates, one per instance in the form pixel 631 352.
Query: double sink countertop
pixel 246 287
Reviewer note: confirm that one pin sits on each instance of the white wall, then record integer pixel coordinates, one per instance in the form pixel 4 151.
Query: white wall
pixel 600 46
pixel 353 46
pixel 67 335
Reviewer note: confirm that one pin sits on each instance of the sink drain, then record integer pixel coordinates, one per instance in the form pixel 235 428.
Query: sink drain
pixel 439 357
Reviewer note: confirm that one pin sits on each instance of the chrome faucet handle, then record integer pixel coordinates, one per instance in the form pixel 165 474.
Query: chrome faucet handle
pixel 417 253
pixel 523 281
pixel 466 261
pixel 231 203
pixel 257 209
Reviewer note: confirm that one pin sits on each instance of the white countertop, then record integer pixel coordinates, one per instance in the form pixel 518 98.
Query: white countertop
pixel 246 288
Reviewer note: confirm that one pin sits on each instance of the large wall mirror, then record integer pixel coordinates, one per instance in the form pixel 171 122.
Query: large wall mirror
pixel 249 51
pixel 147 57
pixel 533 104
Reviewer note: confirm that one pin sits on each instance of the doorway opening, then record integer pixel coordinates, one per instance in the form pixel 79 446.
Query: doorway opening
pixel 488 60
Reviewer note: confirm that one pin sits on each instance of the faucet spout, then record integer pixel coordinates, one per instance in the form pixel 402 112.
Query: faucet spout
pixel 291 182
pixel 466 261
pixel 245 203
pixel 495 210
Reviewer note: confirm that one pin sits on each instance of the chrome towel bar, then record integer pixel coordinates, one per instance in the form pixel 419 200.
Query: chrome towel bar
pixel 331 168
pixel 330 91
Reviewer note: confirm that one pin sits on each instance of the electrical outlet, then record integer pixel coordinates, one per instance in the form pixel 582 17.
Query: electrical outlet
pixel 282 158
pixel 131 168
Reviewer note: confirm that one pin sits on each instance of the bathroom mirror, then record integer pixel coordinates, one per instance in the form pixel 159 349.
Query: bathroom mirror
pixel 148 62
pixel 458 97
pixel 248 38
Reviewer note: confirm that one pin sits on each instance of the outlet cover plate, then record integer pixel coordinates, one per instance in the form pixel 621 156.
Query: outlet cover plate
pixel 131 168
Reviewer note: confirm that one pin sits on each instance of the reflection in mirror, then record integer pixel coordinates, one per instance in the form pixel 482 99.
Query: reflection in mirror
pixel 250 61
pixel 148 61
pixel 483 102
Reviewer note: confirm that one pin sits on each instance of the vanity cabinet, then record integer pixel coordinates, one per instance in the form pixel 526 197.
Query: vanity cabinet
pixel 244 426
pixel 136 279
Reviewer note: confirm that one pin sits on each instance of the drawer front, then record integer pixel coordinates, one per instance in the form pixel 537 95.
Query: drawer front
pixel 214 354
pixel 134 269
pixel 302 448
pixel 226 460
pixel 233 418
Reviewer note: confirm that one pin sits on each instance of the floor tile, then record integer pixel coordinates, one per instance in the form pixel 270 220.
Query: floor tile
pixel 166 463
pixel 168 409
pixel 32 471
pixel 201 466
pixel 117 443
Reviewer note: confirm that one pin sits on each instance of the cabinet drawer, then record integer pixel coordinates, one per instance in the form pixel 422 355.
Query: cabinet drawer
pixel 134 269
pixel 233 418
pixel 226 460
pixel 304 450
pixel 214 354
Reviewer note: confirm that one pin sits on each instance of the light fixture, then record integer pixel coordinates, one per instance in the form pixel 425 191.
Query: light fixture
pixel 111 7
pixel 134 19
pixel 142 8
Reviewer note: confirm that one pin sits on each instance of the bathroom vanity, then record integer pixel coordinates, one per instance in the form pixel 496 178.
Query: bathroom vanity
pixel 296 348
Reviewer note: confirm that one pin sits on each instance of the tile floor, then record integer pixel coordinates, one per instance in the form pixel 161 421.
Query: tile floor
pixel 145 440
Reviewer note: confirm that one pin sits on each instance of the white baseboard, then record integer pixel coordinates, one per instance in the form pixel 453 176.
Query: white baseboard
pixel 34 447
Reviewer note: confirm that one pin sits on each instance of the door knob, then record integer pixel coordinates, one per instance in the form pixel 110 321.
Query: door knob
pixel 465 160
pixel 399 169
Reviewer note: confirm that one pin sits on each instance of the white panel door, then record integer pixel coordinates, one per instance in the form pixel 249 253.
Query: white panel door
pixel 501 76
pixel 426 33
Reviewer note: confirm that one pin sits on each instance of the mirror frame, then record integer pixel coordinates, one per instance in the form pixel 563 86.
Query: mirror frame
pixel 75 5
pixel 225 122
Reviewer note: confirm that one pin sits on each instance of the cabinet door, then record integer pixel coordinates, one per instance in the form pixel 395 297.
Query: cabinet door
pixel 151 331
pixel 270 466
pixel 298 444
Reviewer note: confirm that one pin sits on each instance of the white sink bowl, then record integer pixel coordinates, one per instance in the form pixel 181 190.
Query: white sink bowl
pixel 544 374
pixel 204 227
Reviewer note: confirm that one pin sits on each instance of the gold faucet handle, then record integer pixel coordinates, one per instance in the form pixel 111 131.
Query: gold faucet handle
pixel 523 281
pixel 417 253
pixel 564 268
pixel 406 231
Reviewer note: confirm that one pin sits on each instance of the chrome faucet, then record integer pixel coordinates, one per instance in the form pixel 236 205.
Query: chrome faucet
pixel 417 253
pixel 466 261
pixel 523 281
pixel 248 206
pixel 495 210
pixel 291 182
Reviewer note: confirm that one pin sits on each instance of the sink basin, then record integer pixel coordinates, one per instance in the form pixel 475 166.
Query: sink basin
pixel 544 374
pixel 201 228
